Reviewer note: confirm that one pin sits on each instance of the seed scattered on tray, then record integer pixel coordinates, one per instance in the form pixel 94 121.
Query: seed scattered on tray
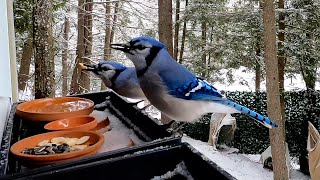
pixel 58 145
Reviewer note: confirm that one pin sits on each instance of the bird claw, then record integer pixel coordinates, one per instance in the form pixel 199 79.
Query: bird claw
pixel 174 127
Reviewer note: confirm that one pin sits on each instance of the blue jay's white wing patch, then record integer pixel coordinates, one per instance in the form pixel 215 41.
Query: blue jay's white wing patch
pixel 197 89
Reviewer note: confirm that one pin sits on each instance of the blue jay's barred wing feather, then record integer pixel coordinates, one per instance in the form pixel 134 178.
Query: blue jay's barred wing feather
pixel 244 110
pixel 197 89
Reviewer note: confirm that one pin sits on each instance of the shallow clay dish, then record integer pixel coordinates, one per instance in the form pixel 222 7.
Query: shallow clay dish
pixel 94 143
pixel 101 125
pixel 49 109
pixel 83 123
pixel 33 164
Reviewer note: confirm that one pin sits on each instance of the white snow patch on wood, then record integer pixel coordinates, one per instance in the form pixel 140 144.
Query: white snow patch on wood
pixel 240 166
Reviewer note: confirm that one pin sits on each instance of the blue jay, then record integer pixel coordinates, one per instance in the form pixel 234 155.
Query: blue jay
pixel 173 89
pixel 123 80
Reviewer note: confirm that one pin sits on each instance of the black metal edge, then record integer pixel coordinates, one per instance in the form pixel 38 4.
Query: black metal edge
pixel 166 143
pixel 6 140
pixel 199 166
pixel 94 163
pixel 199 157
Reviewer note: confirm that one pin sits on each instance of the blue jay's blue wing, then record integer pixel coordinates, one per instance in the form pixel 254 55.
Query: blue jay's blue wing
pixel 181 83
pixel 197 89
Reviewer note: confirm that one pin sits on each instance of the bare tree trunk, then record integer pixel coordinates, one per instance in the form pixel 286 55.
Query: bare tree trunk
pixel 74 86
pixel 176 31
pixel 107 39
pixel 115 19
pixel 203 47
pixel 183 38
pixel 85 77
pixel 281 56
pixel 43 43
pixel 80 80
pixel 25 62
pixel 65 55
pixel 258 68
pixel 165 24
pixel 109 33
pixel 165 33
pixel 277 135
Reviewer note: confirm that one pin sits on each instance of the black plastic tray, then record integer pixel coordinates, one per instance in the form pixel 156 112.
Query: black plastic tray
pixel 140 165
pixel 145 128
pixel 160 154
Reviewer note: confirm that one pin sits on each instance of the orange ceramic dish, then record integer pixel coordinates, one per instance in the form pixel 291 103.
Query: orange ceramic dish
pixel 83 123
pixel 94 143
pixel 49 109
pixel 33 164
pixel 102 124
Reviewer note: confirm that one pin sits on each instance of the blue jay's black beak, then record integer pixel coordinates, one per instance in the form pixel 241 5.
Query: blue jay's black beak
pixel 121 47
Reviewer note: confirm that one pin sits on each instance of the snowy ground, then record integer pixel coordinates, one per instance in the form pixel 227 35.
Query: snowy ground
pixel 240 166
pixel 244 80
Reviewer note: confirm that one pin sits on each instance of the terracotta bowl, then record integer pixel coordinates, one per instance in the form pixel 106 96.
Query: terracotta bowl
pixel 49 109
pixel 83 123
pixel 95 142
pixel 101 125
pixel 34 164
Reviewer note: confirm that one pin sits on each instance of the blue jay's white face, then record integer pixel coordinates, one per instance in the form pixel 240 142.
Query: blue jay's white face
pixel 140 50
pixel 106 71
pixel 137 52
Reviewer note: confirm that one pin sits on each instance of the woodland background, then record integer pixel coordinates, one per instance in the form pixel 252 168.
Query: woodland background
pixel 211 37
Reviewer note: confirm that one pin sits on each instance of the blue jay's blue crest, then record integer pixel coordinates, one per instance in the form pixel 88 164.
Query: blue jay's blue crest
pixel 116 65
pixel 151 40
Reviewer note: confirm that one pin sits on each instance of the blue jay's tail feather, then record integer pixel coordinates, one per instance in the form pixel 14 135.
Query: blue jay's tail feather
pixel 264 120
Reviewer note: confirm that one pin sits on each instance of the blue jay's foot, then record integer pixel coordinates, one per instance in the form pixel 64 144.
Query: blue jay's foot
pixel 174 127
pixel 144 108
pixel 168 126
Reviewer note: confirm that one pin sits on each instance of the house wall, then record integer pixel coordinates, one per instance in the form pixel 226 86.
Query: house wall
pixel 8 70
pixel 8 74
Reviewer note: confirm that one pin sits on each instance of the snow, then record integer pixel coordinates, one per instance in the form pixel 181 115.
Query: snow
pixel 240 166
pixel 118 131
pixel 180 169
pixel 244 80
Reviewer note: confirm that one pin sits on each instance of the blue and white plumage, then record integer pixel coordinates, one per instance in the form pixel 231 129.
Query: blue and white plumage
pixel 173 89
pixel 121 79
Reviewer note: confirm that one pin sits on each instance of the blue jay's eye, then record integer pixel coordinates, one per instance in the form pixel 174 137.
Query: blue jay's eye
pixel 105 68
pixel 140 47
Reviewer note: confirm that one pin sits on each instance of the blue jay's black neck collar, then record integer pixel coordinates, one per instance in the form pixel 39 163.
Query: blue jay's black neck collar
pixel 114 77
pixel 153 53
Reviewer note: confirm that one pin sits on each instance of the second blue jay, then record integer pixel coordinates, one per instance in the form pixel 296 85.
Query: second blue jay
pixel 173 89
pixel 121 79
